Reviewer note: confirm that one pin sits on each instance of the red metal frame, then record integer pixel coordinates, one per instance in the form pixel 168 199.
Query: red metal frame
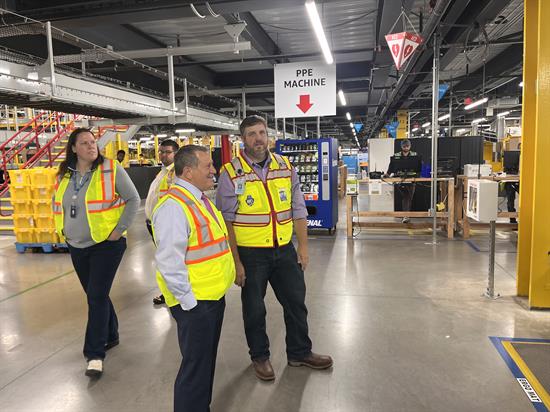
pixel 18 145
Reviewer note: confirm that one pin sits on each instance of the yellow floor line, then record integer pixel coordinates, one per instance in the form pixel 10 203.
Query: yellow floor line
pixel 543 395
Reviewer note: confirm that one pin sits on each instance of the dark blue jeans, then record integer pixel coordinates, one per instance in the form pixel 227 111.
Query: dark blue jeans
pixel 198 334
pixel 278 266
pixel 96 267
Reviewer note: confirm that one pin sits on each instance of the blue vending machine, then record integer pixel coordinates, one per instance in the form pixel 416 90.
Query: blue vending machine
pixel 316 162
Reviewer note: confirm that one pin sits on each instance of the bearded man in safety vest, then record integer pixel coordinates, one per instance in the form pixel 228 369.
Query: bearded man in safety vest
pixel 196 269
pixel 260 198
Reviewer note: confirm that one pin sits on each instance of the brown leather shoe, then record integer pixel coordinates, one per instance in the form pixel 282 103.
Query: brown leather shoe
pixel 264 370
pixel 313 361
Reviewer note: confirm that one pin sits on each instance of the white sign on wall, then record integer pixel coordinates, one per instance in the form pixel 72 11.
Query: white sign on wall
pixel 305 89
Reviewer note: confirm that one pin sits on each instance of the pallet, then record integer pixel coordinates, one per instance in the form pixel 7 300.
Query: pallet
pixel 46 247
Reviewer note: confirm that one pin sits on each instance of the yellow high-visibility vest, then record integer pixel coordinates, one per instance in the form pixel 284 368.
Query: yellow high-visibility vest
pixel 264 214
pixel 167 180
pixel 208 256
pixel 103 205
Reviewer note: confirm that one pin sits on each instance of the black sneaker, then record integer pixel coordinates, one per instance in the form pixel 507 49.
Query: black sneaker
pixel 159 300
pixel 95 368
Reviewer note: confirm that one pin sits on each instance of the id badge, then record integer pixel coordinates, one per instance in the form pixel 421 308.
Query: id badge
pixel 282 195
pixel 240 185
pixel 73 211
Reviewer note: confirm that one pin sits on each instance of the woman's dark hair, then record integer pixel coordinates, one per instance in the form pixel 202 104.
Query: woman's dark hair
pixel 70 156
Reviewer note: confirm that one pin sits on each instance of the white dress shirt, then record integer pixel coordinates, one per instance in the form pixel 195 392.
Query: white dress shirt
pixel 154 190
pixel 172 232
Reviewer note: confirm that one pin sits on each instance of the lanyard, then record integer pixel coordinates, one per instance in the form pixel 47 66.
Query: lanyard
pixel 79 186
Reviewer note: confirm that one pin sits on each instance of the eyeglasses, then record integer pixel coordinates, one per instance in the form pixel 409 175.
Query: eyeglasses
pixel 166 151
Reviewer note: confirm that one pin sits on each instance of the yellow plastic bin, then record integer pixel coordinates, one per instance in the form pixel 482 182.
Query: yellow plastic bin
pixel 44 221
pixel 42 206
pixel 20 192
pixel 19 176
pixel 46 235
pixel 22 206
pixel 42 192
pixel 23 221
pixel 25 235
pixel 43 176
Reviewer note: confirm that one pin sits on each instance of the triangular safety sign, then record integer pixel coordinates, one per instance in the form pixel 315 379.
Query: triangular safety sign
pixel 402 46
pixel 358 126
pixel 395 43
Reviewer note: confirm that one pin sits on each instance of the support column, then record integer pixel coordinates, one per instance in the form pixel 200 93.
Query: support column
pixel 534 236
pixel 530 59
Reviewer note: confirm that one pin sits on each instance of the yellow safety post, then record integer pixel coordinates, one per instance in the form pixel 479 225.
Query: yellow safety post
pixel 157 158
pixel 138 146
pixel 534 237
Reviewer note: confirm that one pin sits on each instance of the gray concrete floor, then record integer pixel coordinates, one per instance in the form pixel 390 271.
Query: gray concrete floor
pixel 403 320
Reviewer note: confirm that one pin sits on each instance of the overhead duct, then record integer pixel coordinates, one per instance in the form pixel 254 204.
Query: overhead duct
pixel 102 55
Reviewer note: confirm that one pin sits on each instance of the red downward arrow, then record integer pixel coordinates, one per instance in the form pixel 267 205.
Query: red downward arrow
pixel 304 105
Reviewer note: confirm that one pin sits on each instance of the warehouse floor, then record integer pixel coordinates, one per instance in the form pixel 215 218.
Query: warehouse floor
pixel 403 320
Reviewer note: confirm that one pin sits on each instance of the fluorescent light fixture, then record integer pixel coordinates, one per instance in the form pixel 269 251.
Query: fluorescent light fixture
pixel 5 70
pixel 427 124
pixel 446 129
pixel 506 113
pixel 476 121
pixel 348 116
pixel 415 129
pixel 318 29
pixel 520 84
pixel 444 117
pixel 162 135
pixel 342 97
pixel 461 130
pixel 476 103
pixel 185 130
pixel 351 125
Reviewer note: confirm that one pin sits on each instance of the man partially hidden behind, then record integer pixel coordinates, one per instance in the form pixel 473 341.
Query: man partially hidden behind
pixel 196 266
pixel 159 187
pixel 259 196
pixel 406 189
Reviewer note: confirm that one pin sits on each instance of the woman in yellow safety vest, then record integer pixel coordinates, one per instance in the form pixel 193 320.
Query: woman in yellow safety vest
pixel 94 204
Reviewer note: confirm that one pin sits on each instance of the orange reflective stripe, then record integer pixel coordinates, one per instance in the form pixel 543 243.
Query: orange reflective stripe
pixel 201 222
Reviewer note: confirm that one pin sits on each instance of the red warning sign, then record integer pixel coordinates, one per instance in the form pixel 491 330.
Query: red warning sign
pixel 402 46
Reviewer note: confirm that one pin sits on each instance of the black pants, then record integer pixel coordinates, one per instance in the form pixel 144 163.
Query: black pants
pixel 198 335
pixel 511 189
pixel 407 193
pixel 96 267
pixel 278 266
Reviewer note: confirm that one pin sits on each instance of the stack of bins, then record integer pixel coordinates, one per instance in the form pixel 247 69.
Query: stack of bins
pixel 31 193
pixel 20 198
pixel 42 190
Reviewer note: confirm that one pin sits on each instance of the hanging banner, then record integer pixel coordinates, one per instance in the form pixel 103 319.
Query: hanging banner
pixel 402 46
pixel 442 90
pixel 392 129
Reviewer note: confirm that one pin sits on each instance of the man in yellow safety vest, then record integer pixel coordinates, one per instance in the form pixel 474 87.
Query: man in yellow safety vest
pixel 260 198
pixel 196 268
pixel 159 187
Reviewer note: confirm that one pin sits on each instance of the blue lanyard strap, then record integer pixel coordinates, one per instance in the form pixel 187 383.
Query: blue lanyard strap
pixel 83 181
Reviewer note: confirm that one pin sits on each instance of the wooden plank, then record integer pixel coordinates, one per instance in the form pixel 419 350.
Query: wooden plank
pixel 397 225
pixel 451 208
pixel 398 214
pixel 349 218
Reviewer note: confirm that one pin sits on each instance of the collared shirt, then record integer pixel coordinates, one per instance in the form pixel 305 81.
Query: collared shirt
pixel 154 190
pixel 172 232
pixel 226 199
